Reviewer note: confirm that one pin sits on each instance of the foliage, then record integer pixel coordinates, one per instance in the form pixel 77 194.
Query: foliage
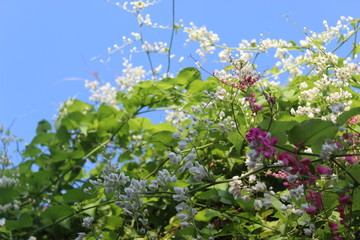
pixel 238 157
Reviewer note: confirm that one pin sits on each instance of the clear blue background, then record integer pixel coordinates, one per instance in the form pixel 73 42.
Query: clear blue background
pixel 46 46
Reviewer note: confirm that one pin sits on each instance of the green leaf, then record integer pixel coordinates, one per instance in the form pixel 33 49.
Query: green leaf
pixel 347 115
pixel 162 140
pixel 31 151
pixel 211 194
pixel 354 170
pixel 139 124
pixel 78 106
pixel 356 200
pixel 236 140
pixel 43 138
pixel 312 132
pixel 8 194
pixel 329 202
pixel 55 213
pixel 43 127
pixel 356 49
pixel 279 129
pixel 77 195
pixel 24 221
pixel 187 75
pixel 206 215
pixel 113 222
pixel 190 73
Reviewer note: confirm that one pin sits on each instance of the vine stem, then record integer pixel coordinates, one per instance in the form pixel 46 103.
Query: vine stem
pixel 171 38
pixel 69 216
pixel 357 183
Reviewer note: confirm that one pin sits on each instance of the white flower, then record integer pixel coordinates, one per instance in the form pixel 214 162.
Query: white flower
pixel 327 149
pixel 184 224
pixel 182 145
pixel 87 222
pixel 180 194
pixel 258 204
pixel 260 187
pixel 199 170
pixel 176 135
pixel 298 192
pixel 80 236
pixel 235 187
pixel 291 178
pixel 252 178
pixel 190 157
pixel 181 207
pixel 182 217
pixel 310 230
pixel 298 212
pixel 246 198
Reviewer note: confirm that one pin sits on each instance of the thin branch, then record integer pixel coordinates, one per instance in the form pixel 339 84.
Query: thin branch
pixel 171 38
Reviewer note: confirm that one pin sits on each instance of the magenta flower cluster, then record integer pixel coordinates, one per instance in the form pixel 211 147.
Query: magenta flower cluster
pixel 262 142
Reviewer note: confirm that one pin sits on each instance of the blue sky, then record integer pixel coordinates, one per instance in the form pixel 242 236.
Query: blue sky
pixel 46 46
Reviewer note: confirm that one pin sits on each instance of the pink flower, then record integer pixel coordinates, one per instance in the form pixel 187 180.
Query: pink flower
pixel 353 120
pixel 311 210
pixel 338 238
pixel 323 170
pixel 333 226
pixel 344 199
pixel 351 159
pixel 305 161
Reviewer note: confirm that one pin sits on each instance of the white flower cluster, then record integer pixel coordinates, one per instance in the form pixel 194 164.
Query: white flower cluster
pixel 309 230
pixel 265 202
pixel 13 205
pixel 156 47
pixel 344 73
pixel 327 149
pixel 324 60
pixel 87 222
pixel 4 159
pixel 104 94
pixel 176 117
pixel 221 94
pixel 185 213
pixel 236 187
pixel 164 177
pixel 199 171
pixel 306 110
pixel 254 159
pixel 130 76
pixel 341 29
pixel 280 44
pixel 8 182
pixel 298 192
pixel 136 6
pixel 205 38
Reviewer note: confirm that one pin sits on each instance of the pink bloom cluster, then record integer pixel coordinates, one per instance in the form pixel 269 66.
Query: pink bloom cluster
pixel 297 167
pixel 344 201
pixel 352 141
pixel 279 174
pixel 246 80
pixel 353 120
pixel 315 198
pixel 261 142
pixel 270 99
pixel 323 170
pixel 252 102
